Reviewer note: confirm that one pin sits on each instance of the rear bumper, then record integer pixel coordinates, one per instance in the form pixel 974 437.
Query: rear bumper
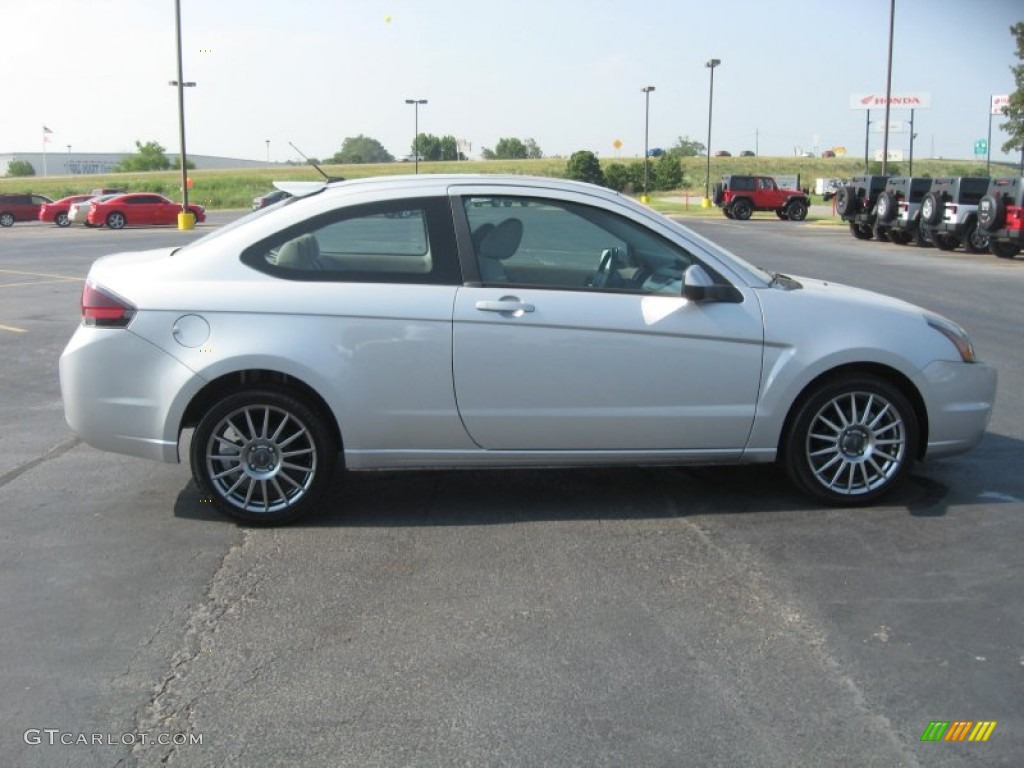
pixel 123 394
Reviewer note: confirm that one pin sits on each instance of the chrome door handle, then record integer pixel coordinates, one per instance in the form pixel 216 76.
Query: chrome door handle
pixel 508 304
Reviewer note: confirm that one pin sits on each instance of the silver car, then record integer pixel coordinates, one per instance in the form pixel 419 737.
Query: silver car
pixel 491 321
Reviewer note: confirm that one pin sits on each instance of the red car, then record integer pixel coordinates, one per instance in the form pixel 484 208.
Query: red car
pixel 139 208
pixel 20 207
pixel 57 211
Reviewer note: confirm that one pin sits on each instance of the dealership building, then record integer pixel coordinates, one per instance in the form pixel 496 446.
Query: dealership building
pixel 77 163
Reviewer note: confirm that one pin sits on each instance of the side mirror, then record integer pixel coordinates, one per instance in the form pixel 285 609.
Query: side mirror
pixel 698 286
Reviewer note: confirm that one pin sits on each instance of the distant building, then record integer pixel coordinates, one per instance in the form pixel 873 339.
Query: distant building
pixel 76 163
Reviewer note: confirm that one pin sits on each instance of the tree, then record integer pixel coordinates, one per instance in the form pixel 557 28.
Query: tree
pixel 176 163
pixel 1014 110
pixel 616 176
pixel 150 157
pixel 488 154
pixel 584 166
pixel 362 149
pixel 687 147
pixel 533 151
pixel 668 173
pixel 20 168
pixel 429 147
pixel 510 149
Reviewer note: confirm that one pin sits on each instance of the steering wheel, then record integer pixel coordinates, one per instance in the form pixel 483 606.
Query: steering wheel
pixel 606 273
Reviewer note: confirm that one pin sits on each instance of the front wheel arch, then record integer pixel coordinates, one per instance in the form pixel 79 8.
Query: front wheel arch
pixel 851 437
pixel 891 375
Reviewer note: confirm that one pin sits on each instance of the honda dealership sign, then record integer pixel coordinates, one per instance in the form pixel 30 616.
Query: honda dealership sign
pixel 896 101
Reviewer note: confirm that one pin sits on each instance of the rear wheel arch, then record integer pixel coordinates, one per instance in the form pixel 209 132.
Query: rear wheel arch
pixel 238 381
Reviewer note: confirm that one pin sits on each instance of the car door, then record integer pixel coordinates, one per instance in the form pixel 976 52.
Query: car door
pixel 576 336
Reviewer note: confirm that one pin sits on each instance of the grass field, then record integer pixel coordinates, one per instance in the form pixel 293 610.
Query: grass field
pixel 226 189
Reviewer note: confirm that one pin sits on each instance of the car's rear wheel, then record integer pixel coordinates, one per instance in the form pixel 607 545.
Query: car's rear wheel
pixel 727 211
pixel 796 210
pixel 116 220
pixel 921 238
pixel 851 440
pixel 741 209
pixel 1003 249
pixel 62 220
pixel 944 242
pixel 263 456
pixel 6 219
pixel 860 231
pixel 881 234
pixel 975 241
pixel 781 213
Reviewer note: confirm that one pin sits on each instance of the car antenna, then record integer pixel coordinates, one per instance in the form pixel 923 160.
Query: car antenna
pixel 321 170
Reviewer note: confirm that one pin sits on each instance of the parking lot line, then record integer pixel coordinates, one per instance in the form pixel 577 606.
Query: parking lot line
pixel 12 329
pixel 39 274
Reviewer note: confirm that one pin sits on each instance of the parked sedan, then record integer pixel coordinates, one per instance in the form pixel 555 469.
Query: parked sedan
pixel 57 211
pixel 138 208
pixel 500 321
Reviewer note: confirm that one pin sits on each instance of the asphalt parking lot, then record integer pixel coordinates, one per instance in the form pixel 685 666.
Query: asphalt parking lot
pixel 655 617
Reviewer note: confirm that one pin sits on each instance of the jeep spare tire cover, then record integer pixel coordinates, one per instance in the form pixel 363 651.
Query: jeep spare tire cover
pixel 991 212
pixel 845 198
pixel 717 194
pixel 886 207
pixel 931 208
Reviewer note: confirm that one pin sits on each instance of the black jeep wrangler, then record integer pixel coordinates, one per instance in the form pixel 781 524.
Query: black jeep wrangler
pixel 1001 216
pixel 855 203
pixel 898 209
pixel 949 213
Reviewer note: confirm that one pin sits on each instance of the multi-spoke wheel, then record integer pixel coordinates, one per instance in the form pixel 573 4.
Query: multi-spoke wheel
pixel 851 440
pixel 262 456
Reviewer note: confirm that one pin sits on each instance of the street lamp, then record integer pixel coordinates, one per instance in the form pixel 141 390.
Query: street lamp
pixel 710 64
pixel 268 149
pixel 646 90
pixel 184 218
pixel 416 136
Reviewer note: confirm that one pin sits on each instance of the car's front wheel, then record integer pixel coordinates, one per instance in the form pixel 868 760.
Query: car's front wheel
pixel 116 220
pixel 851 440
pixel 6 219
pixel 263 456
pixel 62 220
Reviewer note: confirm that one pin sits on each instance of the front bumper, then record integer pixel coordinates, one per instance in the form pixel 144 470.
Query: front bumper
pixel 960 400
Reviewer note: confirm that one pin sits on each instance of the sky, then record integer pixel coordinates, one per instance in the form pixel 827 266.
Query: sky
pixel 567 73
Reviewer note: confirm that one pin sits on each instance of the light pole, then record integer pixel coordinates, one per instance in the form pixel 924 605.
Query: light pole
pixel 416 136
pixel 185 220
pixel 710 64
pixel 268 149
pixel 647 122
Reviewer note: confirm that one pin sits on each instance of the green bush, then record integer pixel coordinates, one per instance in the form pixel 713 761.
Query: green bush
pixel 584 166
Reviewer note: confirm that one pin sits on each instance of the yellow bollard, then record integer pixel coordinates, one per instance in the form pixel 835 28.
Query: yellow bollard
pixel 186 221
pixel 645 199
pixel 705 203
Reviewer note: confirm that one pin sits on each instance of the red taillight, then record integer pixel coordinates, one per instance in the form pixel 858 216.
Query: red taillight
pixel 103 310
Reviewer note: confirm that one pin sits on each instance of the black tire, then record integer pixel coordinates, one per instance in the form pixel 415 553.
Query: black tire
pixel 900 236
pixel 796 210
pixel 991 213
pixel 741 209
pixel 932 208
pixel 975 241
pixel 945 242
pixel 727 212
pixel 6 219
pixel 846 201
pixel 860 232
pixel 116 220
pixel 263 456
pixel 1003 249
pixel 851 440
pixel 781 213
pixel 881 234
pixel 62 220
pixel 921 237
pixel 886 207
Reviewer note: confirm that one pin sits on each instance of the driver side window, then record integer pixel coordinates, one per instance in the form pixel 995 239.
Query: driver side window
pixel 543 243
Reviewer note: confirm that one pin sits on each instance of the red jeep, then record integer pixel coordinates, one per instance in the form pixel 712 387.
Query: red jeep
pixel 739 196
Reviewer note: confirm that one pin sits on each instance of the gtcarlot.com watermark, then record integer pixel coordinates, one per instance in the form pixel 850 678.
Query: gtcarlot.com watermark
pixel 54 736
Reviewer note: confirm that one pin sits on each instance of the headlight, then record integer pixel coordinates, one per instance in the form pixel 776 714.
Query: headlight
pixel 957 335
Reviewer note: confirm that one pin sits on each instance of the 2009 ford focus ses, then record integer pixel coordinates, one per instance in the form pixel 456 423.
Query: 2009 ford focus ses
pixel 488 321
